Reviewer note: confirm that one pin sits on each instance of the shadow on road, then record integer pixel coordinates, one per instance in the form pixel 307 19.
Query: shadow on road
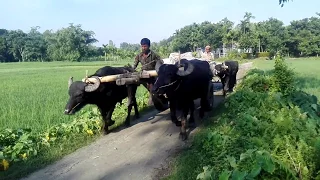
pixel 150 113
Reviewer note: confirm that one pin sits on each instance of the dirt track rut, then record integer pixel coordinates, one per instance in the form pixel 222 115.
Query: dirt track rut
pixel 135 153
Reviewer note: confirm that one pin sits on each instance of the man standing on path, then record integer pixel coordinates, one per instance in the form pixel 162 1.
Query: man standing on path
pixel 148 60
pixel 208 55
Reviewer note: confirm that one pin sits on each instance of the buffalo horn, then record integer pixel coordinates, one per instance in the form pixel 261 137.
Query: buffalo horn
pixel 70 82
pixel 224 66
pixel 186 72
pixel 92 87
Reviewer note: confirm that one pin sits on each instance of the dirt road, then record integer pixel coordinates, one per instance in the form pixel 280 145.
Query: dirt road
pixel 133 153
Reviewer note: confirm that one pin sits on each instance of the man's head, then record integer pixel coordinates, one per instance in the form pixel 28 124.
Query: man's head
pixel 145 45
pixel 208 49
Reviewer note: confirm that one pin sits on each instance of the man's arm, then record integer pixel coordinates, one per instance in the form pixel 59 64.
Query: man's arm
pixel 136 62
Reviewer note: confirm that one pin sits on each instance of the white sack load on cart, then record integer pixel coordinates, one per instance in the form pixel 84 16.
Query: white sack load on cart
pixel 175 57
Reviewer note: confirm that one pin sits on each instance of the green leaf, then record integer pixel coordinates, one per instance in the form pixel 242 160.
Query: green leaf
pixel 232 161
pixel 35 152
pixel 238 175
pixel 225 175
pixel 305 170
pixel 268 165
pixel 247 154
pixel 24 137
pixel 18 147
pixel 205 175
pixel 255 171
pixel 314 107
pixel 1 155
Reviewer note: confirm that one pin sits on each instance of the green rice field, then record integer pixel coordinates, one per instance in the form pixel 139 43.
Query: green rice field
pixel 307 72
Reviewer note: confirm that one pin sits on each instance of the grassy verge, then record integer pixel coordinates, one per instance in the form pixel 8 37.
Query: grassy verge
pixel 267 129
pixel 34 131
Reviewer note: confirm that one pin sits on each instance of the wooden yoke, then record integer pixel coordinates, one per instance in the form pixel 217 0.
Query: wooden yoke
pixel 122 78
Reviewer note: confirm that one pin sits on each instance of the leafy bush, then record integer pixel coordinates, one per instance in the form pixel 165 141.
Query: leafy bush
pixel 266 130
pixel 246 55
pixel 262 54
pixel 283 77
pixel 233 54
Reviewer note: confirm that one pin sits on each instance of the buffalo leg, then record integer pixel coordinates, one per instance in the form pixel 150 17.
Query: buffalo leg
pixel 183 130
pixel 127 122
pixel 173 110
pixel 135 105
pixel 191 119
pixel 131 102
pixel 105 124
pixel 149 88
pixel 225 84
pixel 232 82
pixel 109 121
pixel 202 108
pixel 136 110
pixel 150 102
pixel 205 100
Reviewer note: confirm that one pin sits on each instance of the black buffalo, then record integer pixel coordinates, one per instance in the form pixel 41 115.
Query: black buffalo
pixel 183 86
pixel 227 75
pixel 104 95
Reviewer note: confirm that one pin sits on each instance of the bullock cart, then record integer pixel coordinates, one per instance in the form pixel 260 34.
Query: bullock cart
pixel 135 78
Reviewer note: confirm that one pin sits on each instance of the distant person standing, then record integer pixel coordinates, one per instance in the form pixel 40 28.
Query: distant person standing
pixel 148 60
pixel 207 55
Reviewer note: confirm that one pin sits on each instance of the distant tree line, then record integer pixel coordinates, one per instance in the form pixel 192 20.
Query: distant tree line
pixel 300 38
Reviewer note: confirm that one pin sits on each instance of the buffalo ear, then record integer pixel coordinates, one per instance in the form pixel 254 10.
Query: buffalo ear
pixel 70 82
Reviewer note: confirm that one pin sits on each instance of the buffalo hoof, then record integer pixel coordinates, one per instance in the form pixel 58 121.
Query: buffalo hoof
pixel 174 119
pixel 191 120
pixel 127 124
pixel 137 116
pixel 207 109
pixel 201 114
pixel 183 136
pixel 191 124
pixel 178 123
pixel 105 132
pixel 110 122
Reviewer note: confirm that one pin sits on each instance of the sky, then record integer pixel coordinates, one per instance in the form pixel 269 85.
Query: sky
pixel 131 20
